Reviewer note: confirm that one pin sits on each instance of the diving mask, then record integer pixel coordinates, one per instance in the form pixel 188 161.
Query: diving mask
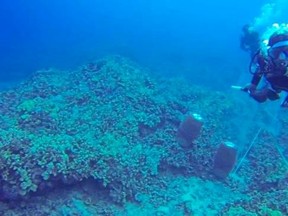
pixel 279 54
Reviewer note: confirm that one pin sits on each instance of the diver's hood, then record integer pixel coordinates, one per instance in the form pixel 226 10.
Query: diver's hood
pixel 275 40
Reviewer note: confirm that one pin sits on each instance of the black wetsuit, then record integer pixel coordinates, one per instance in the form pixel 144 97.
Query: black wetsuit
pixel 277 77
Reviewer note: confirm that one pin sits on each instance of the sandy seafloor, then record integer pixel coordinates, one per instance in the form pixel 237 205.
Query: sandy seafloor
pixel 103 140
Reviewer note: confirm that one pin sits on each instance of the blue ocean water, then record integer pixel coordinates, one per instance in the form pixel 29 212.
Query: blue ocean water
pixel 167 36
pixel 93 133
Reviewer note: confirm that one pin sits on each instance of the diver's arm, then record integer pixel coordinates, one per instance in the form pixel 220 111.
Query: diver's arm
pixel 258 95
pixel 256 79
pixel 252 86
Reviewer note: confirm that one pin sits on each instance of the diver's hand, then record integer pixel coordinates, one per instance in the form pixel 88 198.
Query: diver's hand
pixel 250 88
pixel 260 95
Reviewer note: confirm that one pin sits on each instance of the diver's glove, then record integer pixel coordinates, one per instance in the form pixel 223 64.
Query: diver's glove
pixel 261 95
pixel 249 88
pixel 258 95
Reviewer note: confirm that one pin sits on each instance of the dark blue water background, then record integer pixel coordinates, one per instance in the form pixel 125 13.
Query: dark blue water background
pixel 171 37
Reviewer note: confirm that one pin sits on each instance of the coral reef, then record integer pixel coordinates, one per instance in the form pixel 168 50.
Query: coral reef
pixel 102 140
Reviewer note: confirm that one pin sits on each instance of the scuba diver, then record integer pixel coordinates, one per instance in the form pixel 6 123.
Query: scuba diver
pixel 270 64
pixel 249 40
